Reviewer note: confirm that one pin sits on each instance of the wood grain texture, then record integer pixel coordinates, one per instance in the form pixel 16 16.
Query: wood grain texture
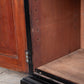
pixel 70 67
pixel 55 29
pixel 12 35
pixel 7 30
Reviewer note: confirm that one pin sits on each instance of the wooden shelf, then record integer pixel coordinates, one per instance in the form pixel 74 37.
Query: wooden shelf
pixel 70 67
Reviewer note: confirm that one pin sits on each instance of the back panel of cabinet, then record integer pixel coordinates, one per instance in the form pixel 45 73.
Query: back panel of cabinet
pixel 55 29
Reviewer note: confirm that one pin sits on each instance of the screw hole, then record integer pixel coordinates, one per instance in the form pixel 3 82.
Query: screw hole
pixel 36 10
pixel 38 39
pixel 40 73
pixel 37 30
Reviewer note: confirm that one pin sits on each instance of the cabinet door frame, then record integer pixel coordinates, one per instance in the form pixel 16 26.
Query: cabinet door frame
pixel 19 21
pixel 20 63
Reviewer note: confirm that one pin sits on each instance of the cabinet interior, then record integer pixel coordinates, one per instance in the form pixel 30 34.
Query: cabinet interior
pixel 62 38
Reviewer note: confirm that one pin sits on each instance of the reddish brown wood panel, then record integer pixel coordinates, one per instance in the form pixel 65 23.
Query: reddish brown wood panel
pixel 7 30
pixel 12 35
pixel 55 29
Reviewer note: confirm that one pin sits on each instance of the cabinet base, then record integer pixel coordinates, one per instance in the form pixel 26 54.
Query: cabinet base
pixel 44 79
pixel 36 79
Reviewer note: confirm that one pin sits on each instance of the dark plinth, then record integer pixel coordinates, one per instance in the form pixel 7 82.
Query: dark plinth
pixel 36 79
pixel 29 80
pixel 40 79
